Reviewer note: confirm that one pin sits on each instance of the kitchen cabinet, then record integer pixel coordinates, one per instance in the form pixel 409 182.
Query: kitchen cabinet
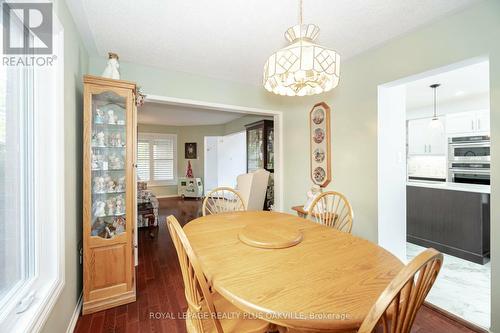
pixel 473 122
pixel 451 221
pixel 483 121
pixel 423 140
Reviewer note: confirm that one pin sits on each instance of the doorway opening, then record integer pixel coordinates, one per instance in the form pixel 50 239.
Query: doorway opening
pixel 434 180
pixel 178 162
pixel 225 160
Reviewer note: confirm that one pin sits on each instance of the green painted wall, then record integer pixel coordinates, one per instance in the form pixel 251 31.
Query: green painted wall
pixel 463 35
pixel 75 65
pixel 194 134
pixel 158 81
pixel 184 134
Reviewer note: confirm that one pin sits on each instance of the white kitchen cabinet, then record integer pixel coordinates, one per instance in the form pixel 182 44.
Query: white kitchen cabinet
pixel 423 140
pixel 467 123
pixel 462 122
pixel 483 121
pixel 416 140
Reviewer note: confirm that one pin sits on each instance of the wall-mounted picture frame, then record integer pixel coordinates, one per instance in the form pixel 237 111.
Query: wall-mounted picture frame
pixel 319 123
pixel 190 152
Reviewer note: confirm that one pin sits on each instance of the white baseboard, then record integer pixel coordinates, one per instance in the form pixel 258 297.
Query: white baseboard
pixel 75 316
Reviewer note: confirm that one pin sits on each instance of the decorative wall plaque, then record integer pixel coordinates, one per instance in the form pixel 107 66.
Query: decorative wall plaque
pixel 319 122
pixel 190 152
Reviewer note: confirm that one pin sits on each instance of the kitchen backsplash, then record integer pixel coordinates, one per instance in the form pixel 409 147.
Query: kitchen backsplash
pixel 427 166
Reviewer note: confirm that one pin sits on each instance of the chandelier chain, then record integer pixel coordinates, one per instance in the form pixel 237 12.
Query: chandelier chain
pixel 300 11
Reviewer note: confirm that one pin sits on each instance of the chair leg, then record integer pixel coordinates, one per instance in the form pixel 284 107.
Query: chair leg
pixel 273 328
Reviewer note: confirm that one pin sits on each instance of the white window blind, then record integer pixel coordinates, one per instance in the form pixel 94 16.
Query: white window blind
pixel 157 158
pixel 143 164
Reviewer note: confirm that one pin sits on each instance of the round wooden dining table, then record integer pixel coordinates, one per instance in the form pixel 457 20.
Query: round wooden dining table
pixel 327 281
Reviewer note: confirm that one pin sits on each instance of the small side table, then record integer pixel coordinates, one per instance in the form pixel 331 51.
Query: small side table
pixel 300 211
pixel 146 209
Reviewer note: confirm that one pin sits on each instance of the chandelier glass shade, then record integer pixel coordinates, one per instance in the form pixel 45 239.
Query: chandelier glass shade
pixel 302 68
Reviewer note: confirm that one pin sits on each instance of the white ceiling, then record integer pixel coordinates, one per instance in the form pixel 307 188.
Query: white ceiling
pixel 231 39
pixel 164 114
pixel 456 85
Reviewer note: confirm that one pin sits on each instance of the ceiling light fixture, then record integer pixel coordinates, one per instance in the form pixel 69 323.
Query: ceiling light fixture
pixel 435 123
pixel 302 68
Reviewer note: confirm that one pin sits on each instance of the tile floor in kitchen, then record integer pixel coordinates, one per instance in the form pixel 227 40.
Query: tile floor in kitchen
pixel 462 287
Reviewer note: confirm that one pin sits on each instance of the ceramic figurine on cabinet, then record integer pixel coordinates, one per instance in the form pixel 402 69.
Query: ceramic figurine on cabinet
pixel 119 225
pixel 109 233
pixel 106 180
pixel 111 140
pixel 96 185
pixel 99 208
pixel 120 186
pixel 111 185
pixel 111 206
pixel 98 227
pixel 115 162
pixel 117 141
pixel 111 71
pixel 100 118
pixel 101 139
pixel 98 162
pixel 112 118
pixel 95 162
pixel 119 205
pixel 99 184
pixel 103 233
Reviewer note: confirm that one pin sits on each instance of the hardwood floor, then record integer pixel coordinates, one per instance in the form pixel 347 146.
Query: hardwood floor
pixel 160 295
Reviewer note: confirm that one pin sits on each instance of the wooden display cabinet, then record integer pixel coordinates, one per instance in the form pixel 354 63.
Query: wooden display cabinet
pixel 260 153
pixel 109 193
pixel 260 145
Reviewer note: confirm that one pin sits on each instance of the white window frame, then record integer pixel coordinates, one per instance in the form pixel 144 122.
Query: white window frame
pixel 156 136
pixel 48 279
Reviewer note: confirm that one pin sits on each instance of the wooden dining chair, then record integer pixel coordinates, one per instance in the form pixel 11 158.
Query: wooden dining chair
pixel 205 307
pixel 222 200
pixel 397 306
pixel 332 209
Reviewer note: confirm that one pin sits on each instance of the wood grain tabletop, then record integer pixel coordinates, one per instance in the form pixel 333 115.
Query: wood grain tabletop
pixel 327 282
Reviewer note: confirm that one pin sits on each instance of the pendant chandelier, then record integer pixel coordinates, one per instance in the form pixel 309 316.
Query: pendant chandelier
pixel 303 68
pixel 435 123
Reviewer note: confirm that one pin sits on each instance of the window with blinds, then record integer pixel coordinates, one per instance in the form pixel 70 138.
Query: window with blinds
pixel 156 158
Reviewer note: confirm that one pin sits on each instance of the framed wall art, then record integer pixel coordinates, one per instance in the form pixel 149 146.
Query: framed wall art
pixel 319 122
pixel 190 151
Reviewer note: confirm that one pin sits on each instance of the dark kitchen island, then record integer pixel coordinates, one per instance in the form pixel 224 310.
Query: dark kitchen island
pixel 452 218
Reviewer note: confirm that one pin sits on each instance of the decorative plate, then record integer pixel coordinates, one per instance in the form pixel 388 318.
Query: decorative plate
pixel 318 116
pixel 319 155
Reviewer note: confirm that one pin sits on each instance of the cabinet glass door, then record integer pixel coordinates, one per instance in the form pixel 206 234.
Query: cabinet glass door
pixel 270 149
pixel 108 165
pixel 255 149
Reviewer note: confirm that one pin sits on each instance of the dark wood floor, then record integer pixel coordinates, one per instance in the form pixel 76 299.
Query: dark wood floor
pixel 160 288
